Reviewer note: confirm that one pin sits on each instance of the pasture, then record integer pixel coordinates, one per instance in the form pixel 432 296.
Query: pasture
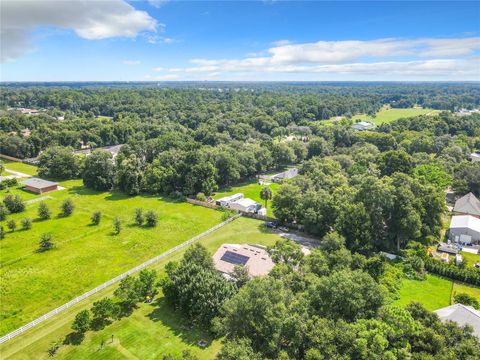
pixel 85 255
pixel 154 323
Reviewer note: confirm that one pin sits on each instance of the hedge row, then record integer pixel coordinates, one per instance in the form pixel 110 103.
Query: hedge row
pixel 467 275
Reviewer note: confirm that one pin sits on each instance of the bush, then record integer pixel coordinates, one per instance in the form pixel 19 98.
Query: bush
pixel 2 232
pixel 117 226
pixel 466 299
pixel 201 196
pixel 81 324
pixel 3 212
pixel 43 211
pixel 139 217
pixel 67 207
pixel 8 183
pixel 151 218
pixel 26 224
pixel 96 217
pixel 14 204
pixel 12 225
pixel 45 242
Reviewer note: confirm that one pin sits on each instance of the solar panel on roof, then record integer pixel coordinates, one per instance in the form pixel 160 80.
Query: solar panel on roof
pixel 234 258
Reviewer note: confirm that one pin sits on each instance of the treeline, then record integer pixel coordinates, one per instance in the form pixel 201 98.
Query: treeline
pixel 330 304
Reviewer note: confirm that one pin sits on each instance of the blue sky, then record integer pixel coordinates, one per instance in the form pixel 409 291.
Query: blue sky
pixel 251 40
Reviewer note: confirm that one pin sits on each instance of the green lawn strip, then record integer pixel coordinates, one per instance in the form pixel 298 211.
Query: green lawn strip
pixel 152 331
pixel 85 256
pixel 387 115
pixel 433 292
pixel 459 288
pixel 21 167
pixel 470 258
pixel 250 189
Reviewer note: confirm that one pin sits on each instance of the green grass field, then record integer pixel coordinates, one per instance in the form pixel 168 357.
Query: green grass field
pixel 150 323
pixel 387 115
pixel 85 255
pixel 434 293
pixel 18 166
pixel 251 189
pixel 470 258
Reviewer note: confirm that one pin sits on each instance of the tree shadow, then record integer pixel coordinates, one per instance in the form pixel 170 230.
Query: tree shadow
pixel 74 338
pixel 179 325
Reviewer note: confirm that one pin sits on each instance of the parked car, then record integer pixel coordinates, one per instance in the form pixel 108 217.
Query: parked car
pixel 283 228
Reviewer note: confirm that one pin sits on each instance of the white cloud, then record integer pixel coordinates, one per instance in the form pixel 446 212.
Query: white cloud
pixel 157 3
pixel 92 20
pixel 131 62
pixel 381 59
pixel 167 77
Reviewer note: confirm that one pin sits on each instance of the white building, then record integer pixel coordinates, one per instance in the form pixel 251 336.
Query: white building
pixel 475 157
pixel 245 205
pixel 462 315
pixel 362 126
pixel 465 229
pixel 225 201
pixel 468 204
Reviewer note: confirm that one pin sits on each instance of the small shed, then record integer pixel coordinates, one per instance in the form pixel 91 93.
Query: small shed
pixel 245 205
pixel 363 126
pixel 39 186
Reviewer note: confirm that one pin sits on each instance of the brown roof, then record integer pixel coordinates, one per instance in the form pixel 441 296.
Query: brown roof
pixel 254 257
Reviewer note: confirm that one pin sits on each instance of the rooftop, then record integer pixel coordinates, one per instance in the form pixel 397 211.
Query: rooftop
pixel 245 202
pixel 465 221
pixel 38 183
pixel 468 204
pixel 462 315
pixel 255 257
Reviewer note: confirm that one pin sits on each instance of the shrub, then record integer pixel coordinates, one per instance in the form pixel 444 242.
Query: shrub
pixel 151 218
pixel 45 242
pixel 82 322
pixel 26 224
pixel 43 211
pixel 466 299
pixel 12 225
pixel 117 226
pixel 468 275
pixel 67 207
pixel 139 217
pixel 96 217
pixel 2 232
pixel 3 212
pixel 14 204
pixel 201 196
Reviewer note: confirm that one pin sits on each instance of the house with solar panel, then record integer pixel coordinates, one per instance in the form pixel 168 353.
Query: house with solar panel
pixel 254 257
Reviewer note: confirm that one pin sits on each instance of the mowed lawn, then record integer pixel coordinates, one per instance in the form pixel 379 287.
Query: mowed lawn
pixel 434 293
pixel 250 189
pixel 84 255
pixel 152 331
pixel 387 115
pixel 18 166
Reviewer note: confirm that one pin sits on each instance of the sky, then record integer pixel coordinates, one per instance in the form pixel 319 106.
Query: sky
pixel 160 40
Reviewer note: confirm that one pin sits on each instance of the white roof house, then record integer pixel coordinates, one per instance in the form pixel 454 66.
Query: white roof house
pixel 468 204
pixel 462 315
pixel 226 200
pixel 363 125
pixel 245 204
pixel 465 229
pixel 475 157
pixel 254 257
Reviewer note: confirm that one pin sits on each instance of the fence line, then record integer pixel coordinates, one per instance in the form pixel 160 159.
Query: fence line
pixel 110 282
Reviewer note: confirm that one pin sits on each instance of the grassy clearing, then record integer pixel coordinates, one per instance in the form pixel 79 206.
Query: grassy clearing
pixel 251 189
pixel 466 289
pixel 434 292
pixel 85 255
pixel 18 166
pixel 470 258
pixel 150 324
pixel 387 115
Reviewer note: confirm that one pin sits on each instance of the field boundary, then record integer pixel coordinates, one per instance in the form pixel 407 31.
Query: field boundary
pixel 112 281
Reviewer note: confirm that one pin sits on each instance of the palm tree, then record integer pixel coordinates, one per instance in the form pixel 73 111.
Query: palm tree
pixel 266 194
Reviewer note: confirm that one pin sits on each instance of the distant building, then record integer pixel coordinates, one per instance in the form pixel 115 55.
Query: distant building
pixel 363 126
pixel 475 157
pixel 226 200
pixel 254 257
pixel 465 229
pixel 244 204
pixel 25 132
pixel 462 315
pixel 288 174
pixel 39 186
pixel 468 204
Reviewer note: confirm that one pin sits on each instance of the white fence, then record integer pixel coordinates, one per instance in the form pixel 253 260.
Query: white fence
pixel 110 282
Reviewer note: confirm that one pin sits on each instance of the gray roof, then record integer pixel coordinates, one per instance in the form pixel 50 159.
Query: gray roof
pixel 462 315
pixel 468 204
pixel 38 183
